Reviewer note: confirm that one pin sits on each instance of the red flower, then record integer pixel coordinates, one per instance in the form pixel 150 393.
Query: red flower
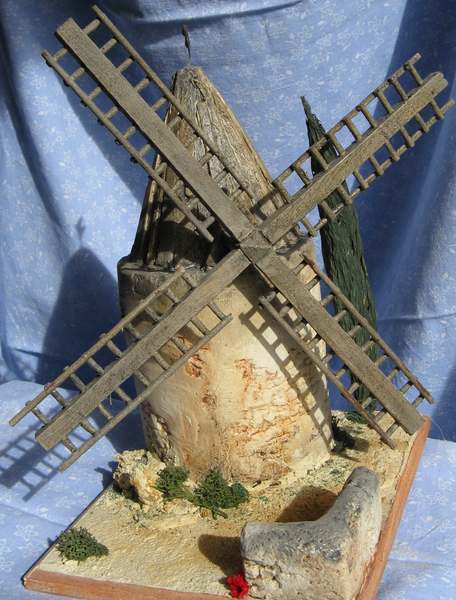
pixel 239 588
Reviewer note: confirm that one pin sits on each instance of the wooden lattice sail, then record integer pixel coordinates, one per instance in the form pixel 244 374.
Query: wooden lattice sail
pixel 297 192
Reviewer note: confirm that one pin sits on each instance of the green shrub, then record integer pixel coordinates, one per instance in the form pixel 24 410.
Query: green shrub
pixel 215 493
pixel 171 483
pixel 78 544
pixel 355 417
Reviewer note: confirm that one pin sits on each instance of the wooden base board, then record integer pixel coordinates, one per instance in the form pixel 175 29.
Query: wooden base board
pixel 41 580
pixel 385 543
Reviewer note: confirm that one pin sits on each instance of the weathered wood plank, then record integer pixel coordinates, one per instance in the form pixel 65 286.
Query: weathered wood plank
pixel 322 185
pixel 144 394
pixel 274 268
pixel 221 276
pixel 104 340
pixel 153 128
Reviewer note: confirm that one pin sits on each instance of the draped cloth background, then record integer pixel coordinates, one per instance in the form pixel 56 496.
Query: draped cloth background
pixel 70 201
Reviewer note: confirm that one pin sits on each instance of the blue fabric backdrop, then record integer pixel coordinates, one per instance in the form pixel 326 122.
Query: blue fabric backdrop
pixel 71 199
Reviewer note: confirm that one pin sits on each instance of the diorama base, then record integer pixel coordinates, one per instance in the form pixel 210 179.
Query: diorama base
pixel 189 557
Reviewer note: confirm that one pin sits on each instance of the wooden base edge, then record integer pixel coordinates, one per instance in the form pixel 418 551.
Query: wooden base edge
pixel 39 580
pixel 95 589
pixel 385 543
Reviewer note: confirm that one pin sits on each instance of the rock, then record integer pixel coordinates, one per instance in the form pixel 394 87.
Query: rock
pixel 315 560
pixel 137 471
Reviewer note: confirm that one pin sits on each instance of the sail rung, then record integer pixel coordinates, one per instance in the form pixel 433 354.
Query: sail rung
pixel 284 310
pixel 129 132
pixel 341 372
pixel 200 325
pixel 327 358
pixel 161 361
pixel 60 399
pixel 77 382
pixel 123 395
pixel 69 445
pixel 340 315
pixel 217 310
pixel 114 348
pixel 144 150
pixel 125 64
pixel 111 112
pixel 354 330
pixel 95 366
pixel 133 331
pixel 179 343
pixel 152 314
pixel 139 87
pixel 172 296
pixel 312 283
pixel 394 372
pixel 327 299
pixel 108 45
pixel 380 360
pixel 90 28
pixel 40 416
pixel 159 103
pixel 104 411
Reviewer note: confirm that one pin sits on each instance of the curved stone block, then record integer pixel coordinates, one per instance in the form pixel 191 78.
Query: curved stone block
pixel 316 560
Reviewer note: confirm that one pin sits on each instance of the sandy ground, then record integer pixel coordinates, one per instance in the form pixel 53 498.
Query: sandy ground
pixel 193 552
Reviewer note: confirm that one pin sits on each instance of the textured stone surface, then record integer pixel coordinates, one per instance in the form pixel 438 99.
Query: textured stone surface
pixel 248 402
pixel 316 560
pixel 137 472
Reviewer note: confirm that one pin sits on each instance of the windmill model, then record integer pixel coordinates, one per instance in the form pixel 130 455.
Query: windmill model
pixel 182 301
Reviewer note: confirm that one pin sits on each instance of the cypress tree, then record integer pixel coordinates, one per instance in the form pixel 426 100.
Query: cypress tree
pixel 342 249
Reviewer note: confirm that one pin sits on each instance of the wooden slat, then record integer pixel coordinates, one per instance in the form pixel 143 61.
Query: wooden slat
pixel 149 387
pixel 69 372
pixel 154 129
pixel 364 323
pixel 208 143
pixel 221 276
pixel 274 268
pixel 322 185
pixel 322 364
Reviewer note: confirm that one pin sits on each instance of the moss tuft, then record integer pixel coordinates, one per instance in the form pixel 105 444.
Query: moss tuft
pixel 355 417
pixel 78 544
pixel 171 481
pixel 215 493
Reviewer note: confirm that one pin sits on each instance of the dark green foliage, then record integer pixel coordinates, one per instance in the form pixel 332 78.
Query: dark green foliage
pixel 342 438
pixel 215 493
pixel 342 250
pixel 78 544
pixel 355 417
pixel 171 483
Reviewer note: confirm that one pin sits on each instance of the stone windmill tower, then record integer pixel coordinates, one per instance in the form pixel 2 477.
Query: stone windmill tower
pixel 247 402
